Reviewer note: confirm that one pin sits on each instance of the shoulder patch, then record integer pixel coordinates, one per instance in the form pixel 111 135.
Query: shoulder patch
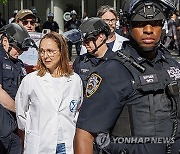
pixel 93 84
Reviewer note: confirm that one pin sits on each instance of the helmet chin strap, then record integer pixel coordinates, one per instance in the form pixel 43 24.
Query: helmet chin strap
pixel 8 53
pixel 97 47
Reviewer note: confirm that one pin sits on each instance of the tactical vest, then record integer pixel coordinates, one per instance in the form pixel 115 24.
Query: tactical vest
pixel 151 111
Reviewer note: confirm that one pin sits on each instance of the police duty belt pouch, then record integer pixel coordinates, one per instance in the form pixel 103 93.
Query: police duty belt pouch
pixel 7 122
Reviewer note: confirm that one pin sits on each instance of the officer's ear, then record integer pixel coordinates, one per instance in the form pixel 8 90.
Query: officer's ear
pixel 5 43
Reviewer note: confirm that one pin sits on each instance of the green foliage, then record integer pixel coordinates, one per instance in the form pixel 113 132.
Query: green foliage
pixel 3 1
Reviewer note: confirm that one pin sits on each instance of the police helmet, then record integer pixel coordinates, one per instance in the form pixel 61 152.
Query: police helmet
pixel 15 12
pixel 145 10
pixel 73 12
pixel 73 35
pixel 17 36
pixel 33 9
pixel 50 14
pixel 92 27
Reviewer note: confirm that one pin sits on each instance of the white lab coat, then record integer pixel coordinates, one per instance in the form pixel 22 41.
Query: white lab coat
pixel 39 105
pixel 117 44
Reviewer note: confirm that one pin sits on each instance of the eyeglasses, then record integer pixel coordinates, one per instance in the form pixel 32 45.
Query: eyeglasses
pixel 153 23
pixel 25 22
pixel 49 52
pixel 110 20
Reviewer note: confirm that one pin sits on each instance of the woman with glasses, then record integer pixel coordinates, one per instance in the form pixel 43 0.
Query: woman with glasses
pixel 48 100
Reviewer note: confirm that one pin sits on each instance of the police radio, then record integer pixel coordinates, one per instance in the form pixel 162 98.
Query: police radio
pixel 173 88
pixel 131 61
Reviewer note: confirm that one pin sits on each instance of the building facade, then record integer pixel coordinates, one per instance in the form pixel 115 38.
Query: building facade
pixel 59 7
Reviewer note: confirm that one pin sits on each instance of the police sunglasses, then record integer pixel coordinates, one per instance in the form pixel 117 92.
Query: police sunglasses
pixel 87 40
pixel 25 22
pixel 140 24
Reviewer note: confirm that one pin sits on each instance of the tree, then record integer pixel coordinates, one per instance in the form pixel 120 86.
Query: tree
pixel 3 1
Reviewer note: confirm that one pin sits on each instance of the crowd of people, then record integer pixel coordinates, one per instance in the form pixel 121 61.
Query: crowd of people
pixel 120 96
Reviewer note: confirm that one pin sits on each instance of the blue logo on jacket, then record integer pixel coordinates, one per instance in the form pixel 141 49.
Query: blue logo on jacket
pixel 73 105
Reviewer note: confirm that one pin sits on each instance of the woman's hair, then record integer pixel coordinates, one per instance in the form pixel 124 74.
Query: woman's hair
pixel 103 9
pixel 64 67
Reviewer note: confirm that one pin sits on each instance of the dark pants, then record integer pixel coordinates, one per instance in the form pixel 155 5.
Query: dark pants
pixel 170 43
pixel 10 145
pixel 78 48
pixel 178 38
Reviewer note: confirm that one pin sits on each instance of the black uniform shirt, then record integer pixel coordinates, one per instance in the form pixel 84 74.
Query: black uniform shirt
pixel 107 92
pixel 53 26
pixel 11 73
pixel 100 110
pixel 72 24
pixel 85 64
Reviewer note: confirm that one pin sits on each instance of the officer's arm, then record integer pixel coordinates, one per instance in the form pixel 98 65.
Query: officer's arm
pixel 83 142
pixel 6 100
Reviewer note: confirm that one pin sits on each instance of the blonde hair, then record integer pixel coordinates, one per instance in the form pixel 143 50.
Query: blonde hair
pixel 64 67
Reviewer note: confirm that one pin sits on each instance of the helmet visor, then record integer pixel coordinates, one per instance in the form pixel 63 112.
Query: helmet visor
pixel 73 35
pixel 28 42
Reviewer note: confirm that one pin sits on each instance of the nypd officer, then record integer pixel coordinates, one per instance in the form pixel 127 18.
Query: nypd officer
pixel 95 34
pixel 14 40
pixel 136 94
pixel 73 23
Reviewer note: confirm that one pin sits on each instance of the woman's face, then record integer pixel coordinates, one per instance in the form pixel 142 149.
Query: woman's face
pixel 50 54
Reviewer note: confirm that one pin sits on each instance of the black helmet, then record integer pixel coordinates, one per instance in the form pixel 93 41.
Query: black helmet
pixel 15 12
pixel 92 27
pixel 145 10
pixel 73 12
pixel 33 9
pixel 17 36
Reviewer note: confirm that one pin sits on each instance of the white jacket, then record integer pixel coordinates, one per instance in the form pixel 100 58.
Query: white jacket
pixel 39 105
pixel 118 42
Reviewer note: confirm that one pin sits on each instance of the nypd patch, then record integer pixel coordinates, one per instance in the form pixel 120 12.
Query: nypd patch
pixel 93 84
pixel 174 73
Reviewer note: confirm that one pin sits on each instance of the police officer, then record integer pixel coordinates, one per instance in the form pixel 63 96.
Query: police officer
pixel 136 94
pixel 74 23
pixel 14 40
pixel 95 34
pixel 109 15
pixel 51 24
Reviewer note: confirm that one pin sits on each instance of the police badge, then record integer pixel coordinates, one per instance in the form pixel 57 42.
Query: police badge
pixel 93 84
